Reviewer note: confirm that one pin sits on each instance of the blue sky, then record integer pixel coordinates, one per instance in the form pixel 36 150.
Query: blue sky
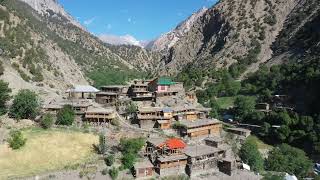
pixel 142 19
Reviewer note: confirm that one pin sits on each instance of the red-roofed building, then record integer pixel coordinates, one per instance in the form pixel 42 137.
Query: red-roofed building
pixel 175 143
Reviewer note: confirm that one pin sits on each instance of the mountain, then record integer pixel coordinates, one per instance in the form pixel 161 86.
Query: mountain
pixel 238 33
pixel 48 52
pixel 167 40
pixel 52 8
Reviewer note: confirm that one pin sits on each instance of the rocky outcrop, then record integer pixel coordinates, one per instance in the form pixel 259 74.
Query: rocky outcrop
pixel 167 40
pixel 53 9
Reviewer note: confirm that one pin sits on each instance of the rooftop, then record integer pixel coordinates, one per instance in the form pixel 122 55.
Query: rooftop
pixel 200 150
pixel 172 158
pixel 214 139
pixel 165 81
pixel 239 129
pixel 199 122
pixel 175 143
pixel 83 89
pixel 100 110
pixel 113 86
pixel 157 141
pixel 143 164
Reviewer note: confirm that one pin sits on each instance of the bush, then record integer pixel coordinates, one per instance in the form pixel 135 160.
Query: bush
pixel 128 160
pixel 25 105
pixel 4 96
pixel 109 160
pixel 16 140
pixel 114 172
pixel 115 122
pixel 250 155
pixel 66 116
pixel 47 121
pixel 102 147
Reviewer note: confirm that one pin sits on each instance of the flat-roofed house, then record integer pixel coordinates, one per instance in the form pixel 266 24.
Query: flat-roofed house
pixel 154 117
pixel 100 115
pixel 82 92
pixel 201 127
pixel 78 105
pixel 214 141
pixel 143 169
pixel 111 95
pixel 240 131
pixel 164 87
pixel 202 159
pixel 171 165
pixel 190 113
pixel 139 91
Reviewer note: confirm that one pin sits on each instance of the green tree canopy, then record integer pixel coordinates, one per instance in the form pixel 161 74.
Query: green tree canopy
pixel 66 116
pixel 285 158
pixel 4 96
pixel 25 105
pixel 244 105
pixel 250 155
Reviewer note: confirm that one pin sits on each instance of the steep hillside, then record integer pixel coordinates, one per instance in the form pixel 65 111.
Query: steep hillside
pixel 167 40
pixel 51 8
pixel 47 53
pixel 300 38
pixel 231 32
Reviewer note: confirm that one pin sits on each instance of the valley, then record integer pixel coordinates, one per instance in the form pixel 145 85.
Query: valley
pixel 231 92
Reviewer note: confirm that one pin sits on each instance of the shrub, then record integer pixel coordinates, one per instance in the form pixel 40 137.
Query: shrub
pixel 115 122
pixel 25 105
pixel 66 116
pixel 47 121
pixel 109 160
pixel 4 96
pixel 16 140
pixel 114 172
pixel 102 147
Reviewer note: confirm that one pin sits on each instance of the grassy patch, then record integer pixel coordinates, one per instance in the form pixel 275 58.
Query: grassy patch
pixel 46 151
pixel 261 144
pixel 226 102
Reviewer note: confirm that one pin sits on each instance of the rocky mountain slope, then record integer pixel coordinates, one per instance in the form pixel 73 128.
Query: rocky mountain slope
pixel 51 8
pixel 300 37
pixel 167 40
pixel 238 33
pixel 48 52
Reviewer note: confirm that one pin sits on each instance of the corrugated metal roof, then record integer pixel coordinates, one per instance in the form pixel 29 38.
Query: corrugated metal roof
pixel 165 81
pixel 83 89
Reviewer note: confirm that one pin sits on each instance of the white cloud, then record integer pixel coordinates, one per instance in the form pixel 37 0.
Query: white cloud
pixel 120 40
pixel 129 20
pixel 89 21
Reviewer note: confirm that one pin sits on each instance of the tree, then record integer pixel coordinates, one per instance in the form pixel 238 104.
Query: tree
pixel 25 105
pixel 131 109
pixel 102 147
pixel 244 105
pixel 16 140
pixel 250 155
pixel 109 160
pixel 285 158
pixel 130 149
pixel 128 160
pixel 4 96
pixel 47 121
pixel 65 116
pixel 114 172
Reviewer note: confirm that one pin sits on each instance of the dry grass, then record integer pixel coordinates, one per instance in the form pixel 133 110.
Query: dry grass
pixel 46 151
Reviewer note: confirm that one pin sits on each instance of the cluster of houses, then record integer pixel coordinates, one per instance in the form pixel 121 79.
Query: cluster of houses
pixel 172 156
pixel 164 156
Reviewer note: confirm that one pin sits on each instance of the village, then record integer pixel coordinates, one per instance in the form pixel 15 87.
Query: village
pixel 182 138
